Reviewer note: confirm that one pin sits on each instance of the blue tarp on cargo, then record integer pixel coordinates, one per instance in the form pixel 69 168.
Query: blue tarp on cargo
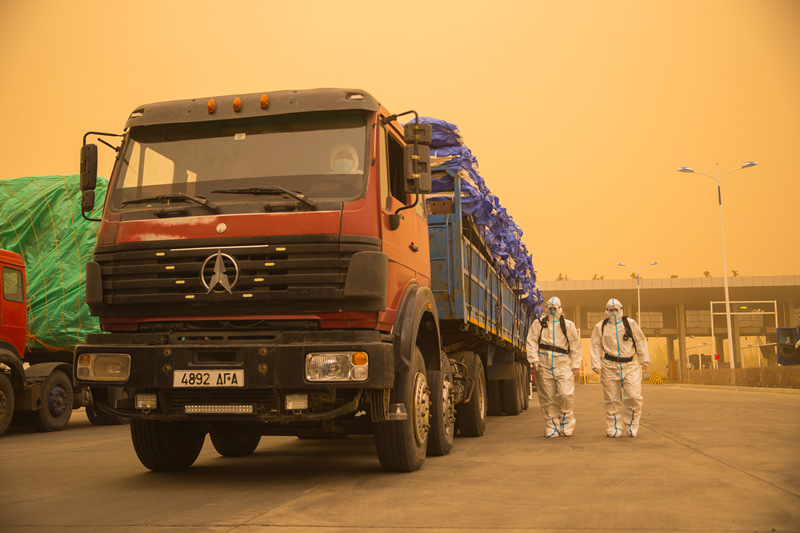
pixel 443 133
pixel 502 236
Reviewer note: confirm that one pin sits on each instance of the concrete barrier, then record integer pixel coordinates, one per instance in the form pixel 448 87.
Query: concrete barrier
pixel 780 377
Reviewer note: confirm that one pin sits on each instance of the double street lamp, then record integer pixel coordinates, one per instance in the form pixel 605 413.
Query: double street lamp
pixel 718 179
pixel 638 290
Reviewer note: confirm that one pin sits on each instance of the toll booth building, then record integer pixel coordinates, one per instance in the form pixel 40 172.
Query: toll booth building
pixel 685 319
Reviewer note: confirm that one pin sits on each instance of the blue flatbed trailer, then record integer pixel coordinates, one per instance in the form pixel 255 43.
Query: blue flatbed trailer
pixel 479 313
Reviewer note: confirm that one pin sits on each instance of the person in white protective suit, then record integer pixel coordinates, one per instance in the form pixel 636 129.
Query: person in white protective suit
pixel 614 342
pixel 554 352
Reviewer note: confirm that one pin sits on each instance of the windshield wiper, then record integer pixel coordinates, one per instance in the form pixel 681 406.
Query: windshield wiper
pixel 272 190
pixel 176 196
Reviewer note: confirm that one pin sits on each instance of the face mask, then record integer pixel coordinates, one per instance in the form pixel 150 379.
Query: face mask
pixel 612 313
pixel 552 312
pixel 343 166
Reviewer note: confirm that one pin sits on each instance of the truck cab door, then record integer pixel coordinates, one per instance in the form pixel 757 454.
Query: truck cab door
pixel 407 245
pixel 13 309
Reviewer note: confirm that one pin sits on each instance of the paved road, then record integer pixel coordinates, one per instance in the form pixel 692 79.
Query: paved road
pixel 705 460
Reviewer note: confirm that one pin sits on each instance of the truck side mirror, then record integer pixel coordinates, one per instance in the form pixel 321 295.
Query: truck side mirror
pixel 417 158
pixel 88 167
pixel 416 133
pixel 88 176
pixel 87 201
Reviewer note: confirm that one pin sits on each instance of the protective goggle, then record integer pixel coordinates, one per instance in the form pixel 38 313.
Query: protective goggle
pixel 613 310
pixel 551 309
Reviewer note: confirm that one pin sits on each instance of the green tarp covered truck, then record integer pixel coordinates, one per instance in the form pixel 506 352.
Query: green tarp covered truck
pixel 45 243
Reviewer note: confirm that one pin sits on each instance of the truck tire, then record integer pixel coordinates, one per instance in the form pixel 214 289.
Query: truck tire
pixel 526 386
pixel 109 395
pixel 520 373
pixel 440 437
pixel 495 402
pixel 511 393
pixel 401 444
pixel 471 416
pixel 6 402
pixel 56 408
pixel 166 445
pixel 229 444
pixel 96 417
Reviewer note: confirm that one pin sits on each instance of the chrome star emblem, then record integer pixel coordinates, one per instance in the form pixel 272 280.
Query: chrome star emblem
pixel 218 276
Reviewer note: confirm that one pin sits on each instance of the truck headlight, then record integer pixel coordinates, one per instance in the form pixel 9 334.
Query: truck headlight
pixel 103 367
pixel 337 366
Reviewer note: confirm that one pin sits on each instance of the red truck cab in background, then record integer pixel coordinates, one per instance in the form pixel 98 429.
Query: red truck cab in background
pixel 13 310
pixel 40 395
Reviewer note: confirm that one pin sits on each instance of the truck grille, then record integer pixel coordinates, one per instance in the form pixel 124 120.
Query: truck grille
pixel 270 275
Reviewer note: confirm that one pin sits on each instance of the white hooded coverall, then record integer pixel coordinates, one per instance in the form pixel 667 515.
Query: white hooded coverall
pixel 621 378
pixel 555 381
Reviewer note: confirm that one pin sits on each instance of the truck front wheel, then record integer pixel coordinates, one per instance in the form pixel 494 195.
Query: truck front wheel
pixel 56 408
pixel 108 396
pixel 229 444
pixel 6 402
pixel 401 444
pixel 166 445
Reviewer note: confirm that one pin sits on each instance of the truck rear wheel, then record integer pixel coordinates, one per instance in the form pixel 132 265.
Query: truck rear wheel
pixel 166 445
pixel 511 392
pixel 440 438
pixel 6 402
pixel 56 408
pixel 401 444
pixel 471 416
pixel 494 398
pixel 526 386
pixel 229 444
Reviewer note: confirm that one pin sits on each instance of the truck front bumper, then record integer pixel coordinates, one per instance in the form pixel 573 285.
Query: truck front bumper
pixel 270 368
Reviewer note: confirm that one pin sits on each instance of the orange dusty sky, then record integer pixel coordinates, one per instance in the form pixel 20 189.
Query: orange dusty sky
pixel 579 112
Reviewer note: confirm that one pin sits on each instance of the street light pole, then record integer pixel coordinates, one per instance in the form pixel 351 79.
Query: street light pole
pixel 718 179
pixel 638 290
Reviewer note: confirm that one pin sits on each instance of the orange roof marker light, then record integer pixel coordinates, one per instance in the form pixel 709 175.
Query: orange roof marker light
pixel 264 101
pixel 212 106
pixel 237 104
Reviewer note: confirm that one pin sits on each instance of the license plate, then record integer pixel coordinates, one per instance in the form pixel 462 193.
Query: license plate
pixel 208 378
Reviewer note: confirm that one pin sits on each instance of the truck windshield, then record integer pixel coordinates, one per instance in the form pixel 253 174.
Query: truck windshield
pixel 317 155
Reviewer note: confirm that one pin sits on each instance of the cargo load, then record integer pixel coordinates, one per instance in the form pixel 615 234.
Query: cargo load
pixel 451 157
pixel 40 219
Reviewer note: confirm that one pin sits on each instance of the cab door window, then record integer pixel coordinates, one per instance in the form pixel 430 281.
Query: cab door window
pixel 396 175
pixel 13 289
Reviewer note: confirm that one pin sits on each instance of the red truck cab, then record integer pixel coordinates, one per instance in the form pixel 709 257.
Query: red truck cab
pixel 42 394
pixel 13 306
pixel 13 317
pixel 262 267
